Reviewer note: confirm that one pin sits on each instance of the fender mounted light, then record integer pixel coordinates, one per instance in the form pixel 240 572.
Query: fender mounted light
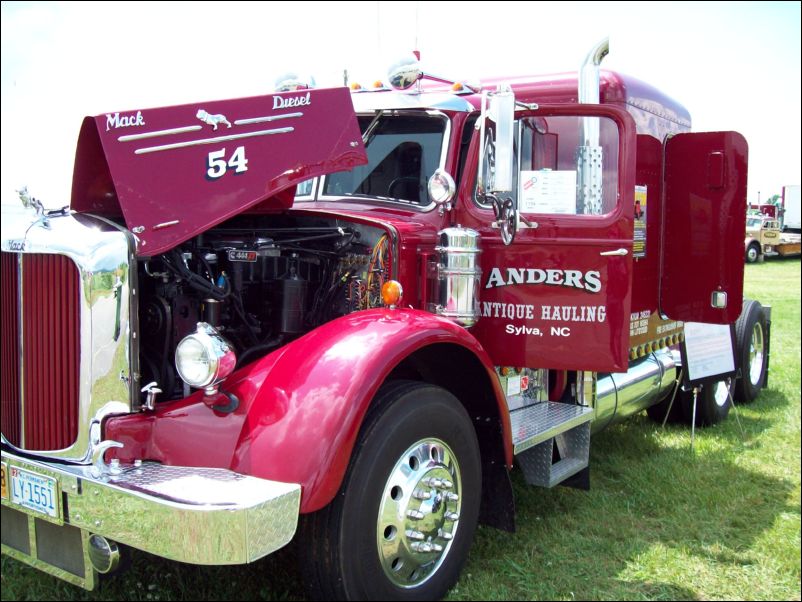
pixel 204 358
pixel 392 293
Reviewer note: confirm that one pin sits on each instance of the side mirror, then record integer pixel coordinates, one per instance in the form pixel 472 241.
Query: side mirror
pixel 403 74
pixel 496 157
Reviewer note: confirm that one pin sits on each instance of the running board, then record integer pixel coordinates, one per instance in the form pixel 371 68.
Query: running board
pixel 551 441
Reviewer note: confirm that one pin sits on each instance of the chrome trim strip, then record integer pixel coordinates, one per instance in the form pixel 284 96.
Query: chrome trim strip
pixel 198 515
pixel 267 118
pixel 20 330
pixel 181 130
pixel 164 147
pixel 377 101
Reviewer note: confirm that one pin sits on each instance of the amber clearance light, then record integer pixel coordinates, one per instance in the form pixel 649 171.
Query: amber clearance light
pixel 392 292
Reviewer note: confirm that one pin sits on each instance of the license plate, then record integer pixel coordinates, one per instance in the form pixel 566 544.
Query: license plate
pixel 34 491
pixel 4 473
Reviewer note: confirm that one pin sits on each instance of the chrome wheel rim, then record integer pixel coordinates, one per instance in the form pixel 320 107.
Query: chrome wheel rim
pixel 756 350
pixel 721 393
pixel 752 252
pixel 419 513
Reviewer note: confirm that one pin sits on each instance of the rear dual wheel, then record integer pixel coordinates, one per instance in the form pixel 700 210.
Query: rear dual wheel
pixel 401 526
pixel 751 337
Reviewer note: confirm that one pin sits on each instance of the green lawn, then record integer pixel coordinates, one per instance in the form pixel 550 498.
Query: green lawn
pixel 660 522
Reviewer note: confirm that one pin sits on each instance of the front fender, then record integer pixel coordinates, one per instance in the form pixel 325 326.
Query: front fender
pixel 302 406
pixel 324 383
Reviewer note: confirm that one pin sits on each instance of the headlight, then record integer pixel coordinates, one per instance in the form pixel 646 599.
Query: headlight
pixel 441 187
pixel 204 358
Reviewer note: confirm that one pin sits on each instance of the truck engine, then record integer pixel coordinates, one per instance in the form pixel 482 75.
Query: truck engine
pixel 258 284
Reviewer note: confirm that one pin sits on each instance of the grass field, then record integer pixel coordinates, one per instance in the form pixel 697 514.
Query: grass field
pixel 659 523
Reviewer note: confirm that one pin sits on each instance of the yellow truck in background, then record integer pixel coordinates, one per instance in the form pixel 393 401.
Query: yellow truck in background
pixel 765 238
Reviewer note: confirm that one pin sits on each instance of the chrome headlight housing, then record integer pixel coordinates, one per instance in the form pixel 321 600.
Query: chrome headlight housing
pixel 441 187
pixel 204 358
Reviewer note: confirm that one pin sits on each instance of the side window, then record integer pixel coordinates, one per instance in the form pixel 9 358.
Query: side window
pixel 559 167
pixel 304 189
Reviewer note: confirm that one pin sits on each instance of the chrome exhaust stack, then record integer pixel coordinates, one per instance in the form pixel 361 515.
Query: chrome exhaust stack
pixel 589 157
pixel 589 73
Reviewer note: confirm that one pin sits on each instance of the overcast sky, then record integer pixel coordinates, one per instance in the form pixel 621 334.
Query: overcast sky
pixel 733 65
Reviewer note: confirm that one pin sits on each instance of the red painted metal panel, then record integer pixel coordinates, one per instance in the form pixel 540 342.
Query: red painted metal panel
pixel 51 349
pixel 173 172
pixel 301 407
pixel 9 384
pixel 543 324
pixel 703 227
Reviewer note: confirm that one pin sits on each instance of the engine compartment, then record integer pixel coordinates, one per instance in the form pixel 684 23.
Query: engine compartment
pixel 260 281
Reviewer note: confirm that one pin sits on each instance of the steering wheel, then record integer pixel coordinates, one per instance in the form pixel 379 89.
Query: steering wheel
pixel 404 180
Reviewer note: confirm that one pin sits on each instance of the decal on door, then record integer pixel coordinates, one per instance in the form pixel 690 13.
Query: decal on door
pixel 543 319
pixel 589 281
pixel 639 242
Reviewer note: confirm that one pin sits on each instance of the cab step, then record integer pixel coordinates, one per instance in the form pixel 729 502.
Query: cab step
pixel 551 441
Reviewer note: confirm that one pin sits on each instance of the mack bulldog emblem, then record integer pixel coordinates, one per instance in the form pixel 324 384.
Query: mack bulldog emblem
pixel 212 120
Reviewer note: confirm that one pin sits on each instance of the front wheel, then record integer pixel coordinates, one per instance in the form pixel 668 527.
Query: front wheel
pixel 401 526
pixel 752 253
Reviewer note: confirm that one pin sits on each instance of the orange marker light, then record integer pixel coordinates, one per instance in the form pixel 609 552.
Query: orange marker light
pixel 457 87
pixel 355 86
pixel 392 292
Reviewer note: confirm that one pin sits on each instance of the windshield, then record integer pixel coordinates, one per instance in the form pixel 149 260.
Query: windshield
pixel 403 152
pixel 753 222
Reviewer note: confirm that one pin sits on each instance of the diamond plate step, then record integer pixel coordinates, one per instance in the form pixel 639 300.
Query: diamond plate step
pixel 537 423
pixel 552 461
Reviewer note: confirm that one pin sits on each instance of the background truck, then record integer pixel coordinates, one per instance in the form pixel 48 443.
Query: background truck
pixel 343 319
pixel 791 219
pixel 766 238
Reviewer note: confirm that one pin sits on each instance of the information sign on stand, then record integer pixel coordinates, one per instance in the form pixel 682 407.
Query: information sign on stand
pixel 708 353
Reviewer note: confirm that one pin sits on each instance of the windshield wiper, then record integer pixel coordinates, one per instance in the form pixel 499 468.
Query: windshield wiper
pixel 368 135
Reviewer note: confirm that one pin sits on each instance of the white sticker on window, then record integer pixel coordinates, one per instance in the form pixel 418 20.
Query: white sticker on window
pixel 547 191
pixel 513 385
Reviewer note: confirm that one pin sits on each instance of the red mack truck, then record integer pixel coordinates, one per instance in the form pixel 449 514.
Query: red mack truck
pixel 343 317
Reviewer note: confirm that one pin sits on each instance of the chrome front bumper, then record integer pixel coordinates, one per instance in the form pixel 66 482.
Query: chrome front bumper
pixel 196 515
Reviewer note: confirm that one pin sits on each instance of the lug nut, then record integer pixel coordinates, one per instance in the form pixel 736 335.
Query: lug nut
pixel 425 547
pixel 414 535
pixel 452 516
pixel 444 535
pixel 451 497
pixel 422 494
pixel 415 514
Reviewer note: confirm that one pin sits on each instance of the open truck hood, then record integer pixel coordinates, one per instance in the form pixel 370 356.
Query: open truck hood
pixel 174 172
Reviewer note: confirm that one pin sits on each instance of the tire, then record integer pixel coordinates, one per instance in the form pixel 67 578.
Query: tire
pixel 402 523
pixel 752 253
pixel 751 351
pixel 713 404
pixel 658 411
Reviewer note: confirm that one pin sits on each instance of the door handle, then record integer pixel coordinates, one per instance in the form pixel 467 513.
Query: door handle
pixel 617 252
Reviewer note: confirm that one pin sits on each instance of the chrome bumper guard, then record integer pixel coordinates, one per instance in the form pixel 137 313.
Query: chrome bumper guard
pixel 197 515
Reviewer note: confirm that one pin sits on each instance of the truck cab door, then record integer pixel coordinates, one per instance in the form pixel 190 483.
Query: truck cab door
pixel 702 264
pixel 559 295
